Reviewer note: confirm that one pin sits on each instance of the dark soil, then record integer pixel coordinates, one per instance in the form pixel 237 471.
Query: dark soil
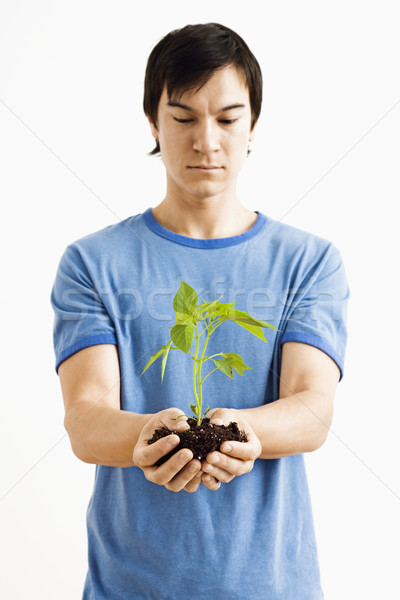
pixel 200 439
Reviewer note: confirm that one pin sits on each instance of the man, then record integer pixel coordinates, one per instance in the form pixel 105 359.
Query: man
pixel 245 530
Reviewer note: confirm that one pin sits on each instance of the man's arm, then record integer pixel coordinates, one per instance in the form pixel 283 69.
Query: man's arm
pixel 297 422
pixel 101 433
pixel 300 419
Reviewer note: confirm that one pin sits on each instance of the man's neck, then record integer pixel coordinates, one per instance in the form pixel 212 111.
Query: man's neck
pixel 204 220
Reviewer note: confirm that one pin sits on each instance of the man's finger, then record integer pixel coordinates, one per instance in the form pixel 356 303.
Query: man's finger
pixel 172 419
pixel 221 416
pixel 210 482
pixel 167 471
pixel 186 478
pixel 149 454
pixel 225 467
pixel 242 450
pixel 194 483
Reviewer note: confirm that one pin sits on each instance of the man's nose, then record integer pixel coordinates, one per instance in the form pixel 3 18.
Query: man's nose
pixel 206 137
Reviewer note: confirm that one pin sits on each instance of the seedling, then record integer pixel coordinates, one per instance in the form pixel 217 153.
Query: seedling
pixel 189 316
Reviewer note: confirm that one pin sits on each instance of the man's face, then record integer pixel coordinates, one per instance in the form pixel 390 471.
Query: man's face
pixel 204 136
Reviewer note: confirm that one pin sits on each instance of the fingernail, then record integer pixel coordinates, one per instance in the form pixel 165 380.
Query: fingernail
pixel 227 448
pixel 182 457
pixel 207 478
pixel 193 468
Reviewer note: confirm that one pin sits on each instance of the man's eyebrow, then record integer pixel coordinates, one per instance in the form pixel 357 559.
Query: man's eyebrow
pixel 179 105
pixel 223 109
pixel 231 106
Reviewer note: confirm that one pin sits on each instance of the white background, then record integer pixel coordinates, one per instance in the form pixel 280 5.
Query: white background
pixel 73 144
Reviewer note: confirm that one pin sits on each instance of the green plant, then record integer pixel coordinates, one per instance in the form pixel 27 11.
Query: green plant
pixel 188 316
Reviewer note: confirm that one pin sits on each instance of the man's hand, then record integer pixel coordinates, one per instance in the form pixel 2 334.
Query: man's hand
pixel 234 458
pixel 181 471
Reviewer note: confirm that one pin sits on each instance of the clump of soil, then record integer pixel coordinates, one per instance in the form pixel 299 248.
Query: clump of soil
pixel 200 439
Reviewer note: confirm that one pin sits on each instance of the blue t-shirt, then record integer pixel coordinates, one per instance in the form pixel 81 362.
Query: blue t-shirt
pixel 254 537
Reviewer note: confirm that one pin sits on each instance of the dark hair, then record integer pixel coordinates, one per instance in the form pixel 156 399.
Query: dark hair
pixel 186 58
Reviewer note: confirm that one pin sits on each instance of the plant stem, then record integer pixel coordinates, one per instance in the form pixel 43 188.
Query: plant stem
pixel 194 370
pixel 201 360
pixel 199 401
pixel 214 327
pixel 203 380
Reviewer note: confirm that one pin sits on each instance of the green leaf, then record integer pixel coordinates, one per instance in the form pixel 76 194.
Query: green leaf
pixel 254 329
pixel 197 316
pixel 185 299
pixel 222 310
pixel 244 317
pixel 224 366
pixel 208 306
pixel 164 360
pixel 235 361
pixel 205 412
pixel 257 331
pixel 193 408
pixel 240 316
pixel 182 336
pixel 154 357
pixel 179 417
pixel 252 325
pixel 181 319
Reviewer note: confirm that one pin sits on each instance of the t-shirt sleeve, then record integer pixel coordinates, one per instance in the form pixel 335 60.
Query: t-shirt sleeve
pixel 81 319
pixel 318 309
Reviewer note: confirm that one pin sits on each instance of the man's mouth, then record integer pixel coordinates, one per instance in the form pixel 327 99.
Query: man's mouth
pixel 205 167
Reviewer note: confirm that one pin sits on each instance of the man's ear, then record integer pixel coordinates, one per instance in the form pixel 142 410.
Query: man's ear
pixel 153 128
pixel 253 132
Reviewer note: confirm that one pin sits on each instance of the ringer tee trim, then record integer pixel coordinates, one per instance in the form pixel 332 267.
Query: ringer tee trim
pixel 184 240
pixel 313 340
pixel 91 340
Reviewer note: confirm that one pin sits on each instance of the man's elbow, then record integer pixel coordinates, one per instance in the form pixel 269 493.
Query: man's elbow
pixel 322 427
pixel 80 451
pixel 82 454
pixel 77 446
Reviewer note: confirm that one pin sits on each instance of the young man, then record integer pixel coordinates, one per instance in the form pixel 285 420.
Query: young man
pixel 245 530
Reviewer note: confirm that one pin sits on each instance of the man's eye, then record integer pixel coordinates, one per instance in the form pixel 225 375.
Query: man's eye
pixel 183 120
pixel 227 121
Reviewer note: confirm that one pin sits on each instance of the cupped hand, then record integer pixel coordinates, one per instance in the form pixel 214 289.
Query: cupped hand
pixel 181 471
pixel 233 458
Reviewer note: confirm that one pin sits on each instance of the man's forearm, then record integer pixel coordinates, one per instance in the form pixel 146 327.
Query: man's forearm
pixel 291 425
pixel 103 435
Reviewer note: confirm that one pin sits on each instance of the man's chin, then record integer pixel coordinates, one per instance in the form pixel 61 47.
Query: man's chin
pixel 205 191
